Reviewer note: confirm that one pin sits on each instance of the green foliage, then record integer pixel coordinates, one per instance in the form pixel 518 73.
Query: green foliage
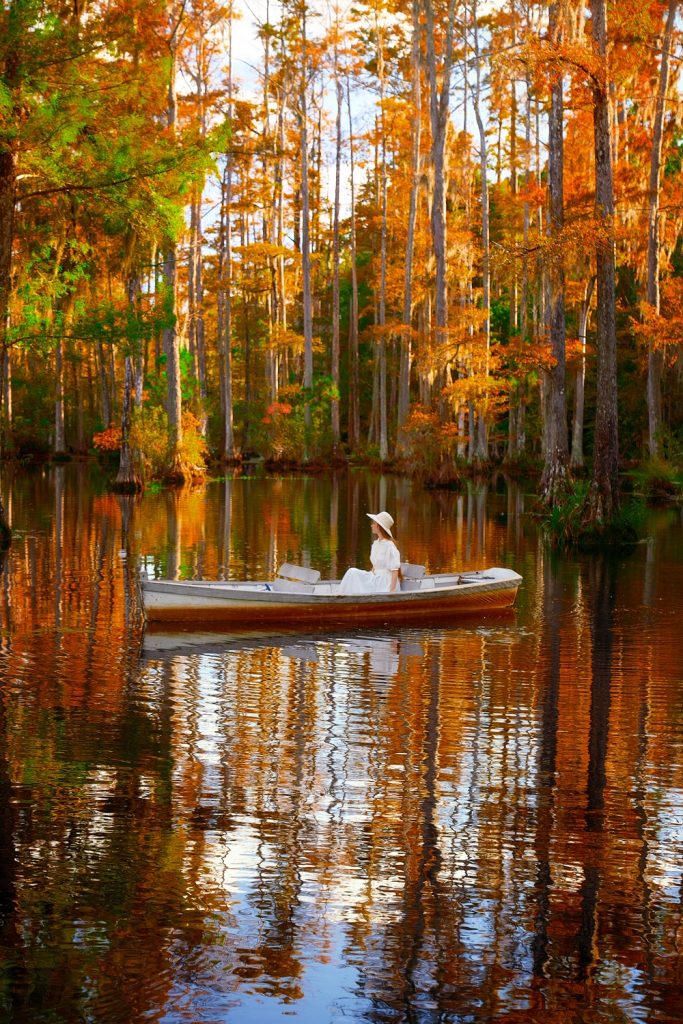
pixel 673 163
pixel 192 449
pixel 500 319
pixel 565 524
pixel 124 325
pixel 659 480
pixel 48 285
pixel 150 439
pixel 630 519
pixel 281 434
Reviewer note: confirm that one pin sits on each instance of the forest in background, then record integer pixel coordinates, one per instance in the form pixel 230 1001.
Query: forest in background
pixel 438 234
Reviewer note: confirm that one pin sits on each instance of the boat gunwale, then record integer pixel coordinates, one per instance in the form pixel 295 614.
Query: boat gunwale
pixel 242 591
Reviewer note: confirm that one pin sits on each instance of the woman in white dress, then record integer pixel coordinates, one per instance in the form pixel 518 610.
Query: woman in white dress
pixel 384 558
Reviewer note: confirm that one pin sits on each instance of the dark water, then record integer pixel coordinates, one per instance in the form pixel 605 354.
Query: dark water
pixel 475 823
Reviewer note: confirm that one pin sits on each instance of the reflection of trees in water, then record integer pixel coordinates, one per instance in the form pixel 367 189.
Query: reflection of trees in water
pixel 602 592
pixel 89 887
pixel 11 946
pixel 285 848
pixel 481 827
pixel 405 951
pixel 547 759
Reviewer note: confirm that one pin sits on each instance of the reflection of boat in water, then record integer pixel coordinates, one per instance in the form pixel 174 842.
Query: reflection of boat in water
pixel 299 598
pixel 385 650
pixel 163 645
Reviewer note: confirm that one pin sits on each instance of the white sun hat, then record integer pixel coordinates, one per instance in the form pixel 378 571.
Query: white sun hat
pixel 382 519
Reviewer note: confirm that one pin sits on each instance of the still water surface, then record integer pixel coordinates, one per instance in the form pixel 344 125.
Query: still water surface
pixel 479 822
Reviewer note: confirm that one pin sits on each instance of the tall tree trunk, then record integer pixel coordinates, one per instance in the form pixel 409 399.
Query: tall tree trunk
pixel 603 498
pixel 225 296
pixel 225 279
pixel 654 355
pixel 555 472
pixel 269 216
pixel 481 442
pixel 519 441
pixel 67 307
pixel 195 291
pixel 177 471
pixel 280 204
pixel 6 393
pixel 105 396
pixel 354 381
pixel 513 321
pixel 382 315
pixel 8 183
pixel 7 202
pixel 405 356
pixel 439 96
pixel 8 167
pixel 128 480
pixel 60 434
pixel 7 199
pixel 577 460
pixel 305 235
pixel 11 74
pixel 334 405
pixel 171 344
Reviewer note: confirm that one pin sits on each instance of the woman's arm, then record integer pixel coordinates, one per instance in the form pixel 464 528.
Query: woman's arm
pixel 393 586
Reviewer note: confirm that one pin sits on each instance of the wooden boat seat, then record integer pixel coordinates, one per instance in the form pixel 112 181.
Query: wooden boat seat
pixel 326 588
pixel 291 587
pixel 411 576
pixel 412 572
pixel 299 573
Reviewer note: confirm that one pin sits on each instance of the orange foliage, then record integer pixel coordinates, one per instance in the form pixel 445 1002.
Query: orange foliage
pixel 108 440
pixel 665 328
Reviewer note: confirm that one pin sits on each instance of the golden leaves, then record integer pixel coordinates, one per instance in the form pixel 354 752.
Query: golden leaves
pixel 661 330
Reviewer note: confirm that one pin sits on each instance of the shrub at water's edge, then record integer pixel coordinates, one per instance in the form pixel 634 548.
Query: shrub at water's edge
pixel 659 481
pixel 566 526
pixel 151 446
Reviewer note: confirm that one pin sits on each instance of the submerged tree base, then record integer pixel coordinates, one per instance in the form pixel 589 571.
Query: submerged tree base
pixel 180 473
pixel 128 486
pixel 576 521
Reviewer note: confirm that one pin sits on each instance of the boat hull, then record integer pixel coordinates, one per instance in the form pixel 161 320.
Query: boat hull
pixel 197 603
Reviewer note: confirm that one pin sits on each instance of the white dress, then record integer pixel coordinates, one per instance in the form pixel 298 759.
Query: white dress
pixel 384 557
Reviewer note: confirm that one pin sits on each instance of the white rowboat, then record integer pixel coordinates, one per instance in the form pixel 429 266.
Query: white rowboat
pixel 298 596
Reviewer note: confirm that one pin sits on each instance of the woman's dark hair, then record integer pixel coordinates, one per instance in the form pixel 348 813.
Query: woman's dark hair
pixel 385 535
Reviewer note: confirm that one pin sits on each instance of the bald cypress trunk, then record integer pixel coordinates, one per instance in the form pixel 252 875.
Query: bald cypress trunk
pixel 577 459
pixel 603 498
pixel 354 383
pixel 555 472
pixel 480 443
pixel 305 235
pixel 405 352
pixel 334 405
pixel 128 480
pixel 655 356
pixel 8 183
pixel 177 471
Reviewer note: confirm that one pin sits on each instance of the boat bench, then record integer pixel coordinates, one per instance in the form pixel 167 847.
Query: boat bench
pixel 326 588
pixel 291 587
pixel 412 577
pixel 295 579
